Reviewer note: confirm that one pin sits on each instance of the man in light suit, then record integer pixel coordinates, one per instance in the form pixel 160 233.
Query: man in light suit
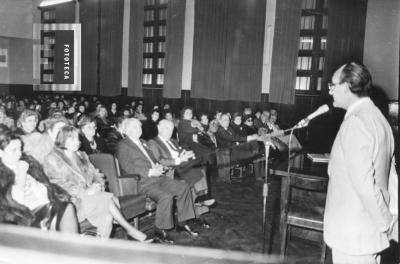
pixel 135 157
pixel 183 165
pixel 361 207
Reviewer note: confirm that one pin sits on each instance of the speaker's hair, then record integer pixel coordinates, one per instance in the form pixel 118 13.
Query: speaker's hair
pixel 358 78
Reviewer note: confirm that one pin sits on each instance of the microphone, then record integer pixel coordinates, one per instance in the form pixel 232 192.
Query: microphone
pixel 304 122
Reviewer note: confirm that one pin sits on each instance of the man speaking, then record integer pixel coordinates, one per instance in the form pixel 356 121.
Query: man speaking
pixel 361 208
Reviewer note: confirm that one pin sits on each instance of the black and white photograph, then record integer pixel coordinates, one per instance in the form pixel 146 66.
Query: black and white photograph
pixel 199 131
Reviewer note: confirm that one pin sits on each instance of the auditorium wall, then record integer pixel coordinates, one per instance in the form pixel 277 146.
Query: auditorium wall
pixel 16 24
pixel 381 47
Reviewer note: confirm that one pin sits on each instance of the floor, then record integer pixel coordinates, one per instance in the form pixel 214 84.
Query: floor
pixel 236 222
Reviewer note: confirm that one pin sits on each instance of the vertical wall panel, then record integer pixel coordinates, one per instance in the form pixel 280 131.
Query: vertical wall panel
pixel 136 48
pixel 209 49
pixel 88 17
pixel 111 46
pixel 244 49
pixel 174 49
pixel 345 40
pixel 228 48
pixel 285 51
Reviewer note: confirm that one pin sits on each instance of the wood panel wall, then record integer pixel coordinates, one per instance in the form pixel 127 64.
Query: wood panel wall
pixel 88 17
pixel 111 19
pixel 346 26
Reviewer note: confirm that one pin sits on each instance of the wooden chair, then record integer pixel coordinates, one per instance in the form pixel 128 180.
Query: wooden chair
pixel 297 211
pixel 125 187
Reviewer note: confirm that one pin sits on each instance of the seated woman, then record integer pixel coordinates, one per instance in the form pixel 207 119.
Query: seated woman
pixel 27 122
pixel 113 113
pixel 240 131
pixel 91 142
pixel 103 124
pixel 248 125
pixel 188 134
pixel 149 127
pixel 139 112
pixel 4 119
pixel 26 195
pixel 72 170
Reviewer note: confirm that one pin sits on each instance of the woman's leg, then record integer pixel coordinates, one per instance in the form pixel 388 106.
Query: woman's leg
pixel 69 221
pixel 107 228
pixel 132 231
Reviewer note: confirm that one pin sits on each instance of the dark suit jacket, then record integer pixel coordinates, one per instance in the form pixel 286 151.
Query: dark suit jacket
pixel 113 137
pixel 226 138
pixel 132 161
pixel 188 171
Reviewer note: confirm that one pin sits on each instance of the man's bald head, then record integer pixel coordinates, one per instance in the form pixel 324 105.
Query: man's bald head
pixel 132 127
pixel 165 129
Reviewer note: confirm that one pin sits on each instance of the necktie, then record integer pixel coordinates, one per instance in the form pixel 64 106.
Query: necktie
pixel 171 145
pixel 143 149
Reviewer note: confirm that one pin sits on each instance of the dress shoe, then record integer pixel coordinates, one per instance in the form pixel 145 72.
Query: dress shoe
pixel 161 236
pixel 184 227
pixel 208 202
pixel 201 222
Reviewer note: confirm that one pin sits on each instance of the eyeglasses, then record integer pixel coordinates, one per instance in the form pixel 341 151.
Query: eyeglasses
pixel 332 86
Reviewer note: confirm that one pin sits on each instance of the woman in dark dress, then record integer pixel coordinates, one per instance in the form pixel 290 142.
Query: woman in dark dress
pixel 150 129
pixel 91 142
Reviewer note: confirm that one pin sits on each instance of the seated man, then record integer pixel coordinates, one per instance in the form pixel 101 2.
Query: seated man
pixel 228 139
pixel 168 152
pixel 135 158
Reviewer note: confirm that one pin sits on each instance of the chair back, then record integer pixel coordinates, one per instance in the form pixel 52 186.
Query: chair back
pixel 106 164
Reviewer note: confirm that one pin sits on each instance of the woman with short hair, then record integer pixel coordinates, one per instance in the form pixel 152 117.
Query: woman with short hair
pixel 71 169
pixel 26 195
pixel 91 142
pixel 27 122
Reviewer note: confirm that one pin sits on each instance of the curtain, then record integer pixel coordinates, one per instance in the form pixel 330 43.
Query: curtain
pixel 136 49
pixel 111 47
pixel 346 32
pixel 88 17
pixel 174 49
pixel 228 48
pixel 209 50
pixel 285 51
pixel 244 50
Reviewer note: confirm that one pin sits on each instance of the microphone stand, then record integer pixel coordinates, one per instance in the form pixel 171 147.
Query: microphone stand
pixel 267 145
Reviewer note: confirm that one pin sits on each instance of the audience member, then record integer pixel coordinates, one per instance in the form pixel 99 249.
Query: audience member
pixel 139 113
pixel 103 124
pixel 72 170
pixel 91 142
pixel 181 164
pixel 39 145
pixel 26 195
pixel 168 115
pixel 228 139
pixel 27 122
pixel 135 158
pixel 115 135
pixel 150 130
pixel 113 113
pixel 5 120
